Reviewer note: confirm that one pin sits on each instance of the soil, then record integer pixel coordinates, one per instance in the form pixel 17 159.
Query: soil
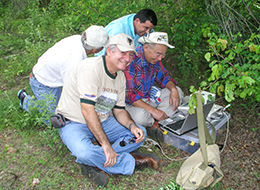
pixel 240 157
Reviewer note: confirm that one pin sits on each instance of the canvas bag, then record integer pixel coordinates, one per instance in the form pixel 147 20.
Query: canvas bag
pixel 202 168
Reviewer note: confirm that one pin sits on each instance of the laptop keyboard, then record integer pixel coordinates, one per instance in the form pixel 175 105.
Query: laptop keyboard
pixel 177 125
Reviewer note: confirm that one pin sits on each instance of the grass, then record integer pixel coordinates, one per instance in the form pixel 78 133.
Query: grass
pixel 31 150
pixel 28 155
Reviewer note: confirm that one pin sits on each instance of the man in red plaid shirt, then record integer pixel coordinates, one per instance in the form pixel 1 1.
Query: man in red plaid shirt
pixel 146 103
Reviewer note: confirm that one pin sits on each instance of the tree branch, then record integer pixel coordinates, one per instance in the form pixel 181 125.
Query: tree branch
pixel 251 12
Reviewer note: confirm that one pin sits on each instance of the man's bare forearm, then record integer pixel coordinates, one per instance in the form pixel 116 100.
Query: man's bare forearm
pixel 94 124
pixel 123 117
pixel 171 86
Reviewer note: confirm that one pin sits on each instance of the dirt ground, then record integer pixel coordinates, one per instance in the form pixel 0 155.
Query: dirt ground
pixel 240 158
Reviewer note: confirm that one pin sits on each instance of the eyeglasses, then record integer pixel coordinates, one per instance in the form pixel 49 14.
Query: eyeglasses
pixel 158 54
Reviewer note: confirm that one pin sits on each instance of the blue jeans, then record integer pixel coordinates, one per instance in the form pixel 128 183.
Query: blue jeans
pixel 77 137
pixel 40 91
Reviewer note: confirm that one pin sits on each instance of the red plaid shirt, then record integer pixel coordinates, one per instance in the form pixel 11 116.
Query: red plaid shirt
pixel 140 77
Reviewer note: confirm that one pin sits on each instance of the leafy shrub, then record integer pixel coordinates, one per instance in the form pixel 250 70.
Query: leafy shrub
pixel 235 67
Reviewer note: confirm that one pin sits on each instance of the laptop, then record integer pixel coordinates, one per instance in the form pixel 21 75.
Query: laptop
pixel 181 123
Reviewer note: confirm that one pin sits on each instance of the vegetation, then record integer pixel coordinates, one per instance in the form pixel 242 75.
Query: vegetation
pixel 217 49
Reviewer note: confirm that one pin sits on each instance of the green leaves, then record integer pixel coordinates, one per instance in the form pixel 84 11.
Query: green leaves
pixel 229 91
pixel 207 56
pixel 235 69
pixel 223 44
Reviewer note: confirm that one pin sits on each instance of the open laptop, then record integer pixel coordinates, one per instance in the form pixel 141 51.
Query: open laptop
pixel 181 123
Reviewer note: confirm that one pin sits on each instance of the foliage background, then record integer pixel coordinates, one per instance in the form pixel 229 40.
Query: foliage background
pixel 194 27
pixel 217 48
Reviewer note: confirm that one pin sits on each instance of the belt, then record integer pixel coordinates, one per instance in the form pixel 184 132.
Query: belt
pixel 66 119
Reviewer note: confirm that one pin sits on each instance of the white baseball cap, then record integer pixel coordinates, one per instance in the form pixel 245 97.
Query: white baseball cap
pixel 96 36
pixel 123 41
pixel 156 38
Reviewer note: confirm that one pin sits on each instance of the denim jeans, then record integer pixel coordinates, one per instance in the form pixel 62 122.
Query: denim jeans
pixel 40 91
pixel 77 137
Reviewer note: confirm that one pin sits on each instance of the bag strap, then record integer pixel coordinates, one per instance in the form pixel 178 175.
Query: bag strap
pixel 204 135
pixel 201 130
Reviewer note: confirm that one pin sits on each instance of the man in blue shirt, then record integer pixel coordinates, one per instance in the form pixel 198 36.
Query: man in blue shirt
pixel 134 25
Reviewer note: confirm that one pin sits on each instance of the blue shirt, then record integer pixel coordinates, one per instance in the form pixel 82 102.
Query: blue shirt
pixel 125 25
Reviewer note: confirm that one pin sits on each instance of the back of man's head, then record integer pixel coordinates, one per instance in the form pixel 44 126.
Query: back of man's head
pixel 146 14
pixel 94 37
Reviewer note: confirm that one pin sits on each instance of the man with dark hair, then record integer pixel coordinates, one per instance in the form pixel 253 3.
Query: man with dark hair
pixel 54 66
pixel 94 89
pixel 146 14
pixel 134 25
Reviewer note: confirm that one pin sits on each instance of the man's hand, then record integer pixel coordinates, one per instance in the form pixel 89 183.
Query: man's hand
pixel 158 114
pixel 96 129
pixel 174 99
pixel 138 133
pixel 174 96
pixel 123 117
pixel 110 156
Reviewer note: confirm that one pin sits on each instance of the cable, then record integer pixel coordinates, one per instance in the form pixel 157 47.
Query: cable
pixel 151 142
pixel 225 142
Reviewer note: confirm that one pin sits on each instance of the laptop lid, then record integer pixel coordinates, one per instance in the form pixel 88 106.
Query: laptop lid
pixel 189 123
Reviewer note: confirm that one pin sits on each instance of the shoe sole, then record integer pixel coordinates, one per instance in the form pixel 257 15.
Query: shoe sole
pixel 98 177
pixel 18 95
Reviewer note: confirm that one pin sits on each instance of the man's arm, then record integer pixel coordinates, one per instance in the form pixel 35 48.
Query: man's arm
pixel 123 118
pixel 174 96
pixel 96 129
pixel 156 113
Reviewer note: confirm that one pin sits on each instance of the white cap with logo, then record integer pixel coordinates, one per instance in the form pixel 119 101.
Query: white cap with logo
pixel 156 38
pixel 123 41
pixel 96 36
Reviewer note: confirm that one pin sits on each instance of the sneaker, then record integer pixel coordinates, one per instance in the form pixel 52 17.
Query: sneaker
pixel 21 95
pixel 99 177
pixel 146 160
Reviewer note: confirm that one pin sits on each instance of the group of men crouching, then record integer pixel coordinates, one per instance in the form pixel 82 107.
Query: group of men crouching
pixel 110 98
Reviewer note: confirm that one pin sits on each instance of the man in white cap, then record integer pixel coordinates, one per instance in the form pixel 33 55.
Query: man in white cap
pixel 94 89
pixel 55 65
pixel 146 103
